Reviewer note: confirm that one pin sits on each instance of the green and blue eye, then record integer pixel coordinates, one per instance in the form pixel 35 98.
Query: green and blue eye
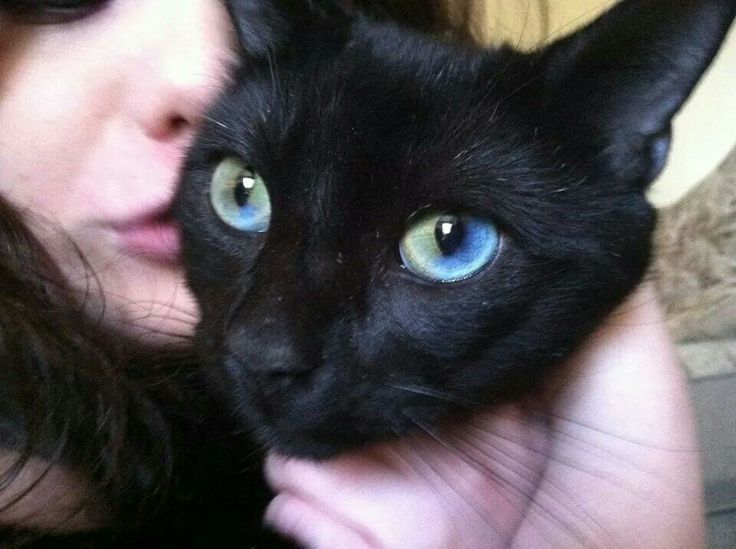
pixel 448 246
pixel 240 197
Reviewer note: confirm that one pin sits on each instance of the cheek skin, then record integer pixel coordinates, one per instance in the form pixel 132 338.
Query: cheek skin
pixel 53 498
pixel 95 117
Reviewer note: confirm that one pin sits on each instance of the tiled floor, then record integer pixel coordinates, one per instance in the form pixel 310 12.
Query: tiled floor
pixel 715 405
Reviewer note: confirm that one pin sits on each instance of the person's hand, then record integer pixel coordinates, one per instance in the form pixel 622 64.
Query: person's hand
pixel 606 458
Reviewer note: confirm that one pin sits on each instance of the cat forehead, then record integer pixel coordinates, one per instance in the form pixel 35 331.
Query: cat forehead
pixel 383 97
pixel 381 74
pixel 372 132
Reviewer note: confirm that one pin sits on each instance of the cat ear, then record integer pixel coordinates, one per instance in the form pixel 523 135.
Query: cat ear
pixel 623 78
pixel 266 26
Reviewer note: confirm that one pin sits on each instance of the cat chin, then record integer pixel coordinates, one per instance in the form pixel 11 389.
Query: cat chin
pixel 291 438
pixel 332 409
pixel 301 445
pixel 298 420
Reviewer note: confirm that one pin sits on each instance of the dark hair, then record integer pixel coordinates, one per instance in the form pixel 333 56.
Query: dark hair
pixel 71 394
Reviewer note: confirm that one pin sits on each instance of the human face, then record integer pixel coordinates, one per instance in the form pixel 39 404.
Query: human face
pixel 96 115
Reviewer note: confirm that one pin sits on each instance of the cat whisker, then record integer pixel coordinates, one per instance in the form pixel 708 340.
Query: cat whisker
pixel 541 431
pixel 433 393
pixel 217 122
pixel 409 458
pixel 523 501
pixel 561 499
pixel 560 437
pixel 479 442
pixel 555 433
pixel 592 451
pixel 629 440
pixel 434 469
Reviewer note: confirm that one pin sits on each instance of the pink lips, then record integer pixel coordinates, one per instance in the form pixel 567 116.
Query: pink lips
pixel 153 236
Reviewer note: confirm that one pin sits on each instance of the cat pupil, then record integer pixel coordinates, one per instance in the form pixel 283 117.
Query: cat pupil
pixel 243 188
pixel 449 232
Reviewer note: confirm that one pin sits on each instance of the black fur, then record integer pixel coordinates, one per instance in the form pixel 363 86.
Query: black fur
pixel 318 336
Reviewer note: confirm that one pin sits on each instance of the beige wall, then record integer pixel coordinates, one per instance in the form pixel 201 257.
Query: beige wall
pixel 704 132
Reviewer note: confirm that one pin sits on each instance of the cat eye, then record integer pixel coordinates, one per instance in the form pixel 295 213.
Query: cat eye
pixel 239 196
pixel 447 246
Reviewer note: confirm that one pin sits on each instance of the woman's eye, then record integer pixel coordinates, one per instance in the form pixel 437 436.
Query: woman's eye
pixel 447 246
pixel 52 12
pixel 239 196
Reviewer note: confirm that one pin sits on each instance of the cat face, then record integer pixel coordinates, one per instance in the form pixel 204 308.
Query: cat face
pixel 383 230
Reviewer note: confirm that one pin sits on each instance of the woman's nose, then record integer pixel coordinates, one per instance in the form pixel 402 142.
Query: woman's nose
pixel 184 52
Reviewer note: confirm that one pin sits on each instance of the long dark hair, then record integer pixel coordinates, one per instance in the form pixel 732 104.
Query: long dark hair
pixel 70 393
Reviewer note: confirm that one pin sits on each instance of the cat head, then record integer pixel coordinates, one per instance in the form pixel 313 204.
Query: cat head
pixel 383 229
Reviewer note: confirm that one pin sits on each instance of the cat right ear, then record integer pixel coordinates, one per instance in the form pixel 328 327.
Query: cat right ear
pixel 266 26
pixel 620 80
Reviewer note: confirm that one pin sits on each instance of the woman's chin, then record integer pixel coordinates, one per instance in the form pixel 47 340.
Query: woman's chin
pixel 147 301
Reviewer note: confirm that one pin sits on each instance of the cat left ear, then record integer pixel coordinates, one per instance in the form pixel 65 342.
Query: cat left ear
pixel 624 77
pixel 266 26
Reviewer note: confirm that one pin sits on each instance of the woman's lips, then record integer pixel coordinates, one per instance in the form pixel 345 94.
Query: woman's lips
pixel 155 237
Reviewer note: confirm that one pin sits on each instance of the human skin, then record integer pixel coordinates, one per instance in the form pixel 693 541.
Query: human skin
pixel 96 116
pixel 607 457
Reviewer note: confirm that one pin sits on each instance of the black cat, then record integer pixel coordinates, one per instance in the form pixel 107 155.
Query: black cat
pixel 383 229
